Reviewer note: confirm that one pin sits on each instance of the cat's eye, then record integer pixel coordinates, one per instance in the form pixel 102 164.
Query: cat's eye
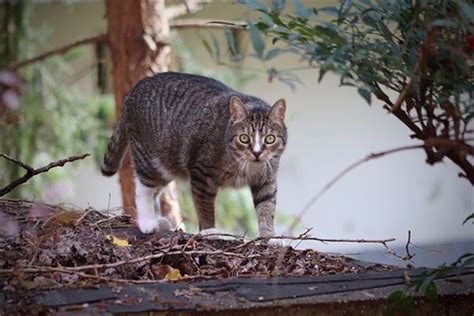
pixel 244 138
pixel 270 139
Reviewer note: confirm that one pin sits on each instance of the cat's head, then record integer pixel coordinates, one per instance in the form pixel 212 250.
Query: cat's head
pixel 257 134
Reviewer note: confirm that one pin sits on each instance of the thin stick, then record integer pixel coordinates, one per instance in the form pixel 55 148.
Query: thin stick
pixel 59 51
pixel 41 269
pixel 31 172
pixel 203 23
pixel 408 256
pixel 123 262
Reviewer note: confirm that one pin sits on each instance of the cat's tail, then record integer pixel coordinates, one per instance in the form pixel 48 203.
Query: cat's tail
pixel 115 150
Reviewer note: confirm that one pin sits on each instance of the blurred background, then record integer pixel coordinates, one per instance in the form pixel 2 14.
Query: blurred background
pixel 66 107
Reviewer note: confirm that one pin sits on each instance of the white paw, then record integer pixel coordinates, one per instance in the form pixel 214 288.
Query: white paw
pixel 276 242
pixel 210 231
pixel 163 224
pixel 147 225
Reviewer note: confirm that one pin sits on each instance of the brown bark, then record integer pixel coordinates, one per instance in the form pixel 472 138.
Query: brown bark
pixel 139 44
pixel 128 23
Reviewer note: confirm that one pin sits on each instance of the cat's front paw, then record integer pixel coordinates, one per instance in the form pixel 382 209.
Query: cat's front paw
pixel 147 225
pixel 211 233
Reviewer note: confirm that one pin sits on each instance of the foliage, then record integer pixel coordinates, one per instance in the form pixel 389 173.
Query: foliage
pixel 419 49
pixel 53 118
pixel 403 301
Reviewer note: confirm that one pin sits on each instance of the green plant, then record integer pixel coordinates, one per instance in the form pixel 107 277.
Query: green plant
pixel 53 119
pixel 421 50
pixel 403 301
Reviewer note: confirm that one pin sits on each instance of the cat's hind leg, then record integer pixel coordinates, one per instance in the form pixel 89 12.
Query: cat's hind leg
pixel 148 182
pixel 147 219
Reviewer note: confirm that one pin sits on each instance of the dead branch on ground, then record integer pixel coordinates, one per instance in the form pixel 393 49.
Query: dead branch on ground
pixel 35 269
pixel 306 237
pixel 31 172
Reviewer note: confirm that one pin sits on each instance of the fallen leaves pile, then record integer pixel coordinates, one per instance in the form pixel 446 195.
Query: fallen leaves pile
pixel 51 246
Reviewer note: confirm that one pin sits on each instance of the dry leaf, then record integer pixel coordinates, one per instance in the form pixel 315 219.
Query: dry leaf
pixel 117 241
pixel 173 275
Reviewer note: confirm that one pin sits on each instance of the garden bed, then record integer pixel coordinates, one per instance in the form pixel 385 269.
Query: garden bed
pixel 55 246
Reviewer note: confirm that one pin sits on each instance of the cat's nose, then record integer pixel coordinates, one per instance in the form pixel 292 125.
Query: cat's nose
pixel 256 154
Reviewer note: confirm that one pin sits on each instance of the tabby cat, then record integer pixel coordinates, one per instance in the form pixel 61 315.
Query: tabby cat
pixel 187 126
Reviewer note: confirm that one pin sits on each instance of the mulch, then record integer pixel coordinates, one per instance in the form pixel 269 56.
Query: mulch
pixel 48 246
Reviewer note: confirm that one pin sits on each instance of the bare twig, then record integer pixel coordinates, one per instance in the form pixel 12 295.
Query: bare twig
pixel 31 172
pixel 204 23
pixel 305 236
pixel 42 269
pixel 87 212
pixel 139 259
pixel 59 51
pixel 408 256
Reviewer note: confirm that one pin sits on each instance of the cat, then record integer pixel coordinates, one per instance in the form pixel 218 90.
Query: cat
pixel 192 127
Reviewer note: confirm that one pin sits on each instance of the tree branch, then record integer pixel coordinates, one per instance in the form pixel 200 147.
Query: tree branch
pixel 203 23
pixel 31 172
pixel 187 6
pixel 59 51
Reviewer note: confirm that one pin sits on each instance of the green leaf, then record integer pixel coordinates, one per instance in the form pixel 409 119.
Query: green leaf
pixel 322 72
pixel 253 4
pixel 399 301
pixel 231 43
pixel 365 94
pixel 216 48
pixel 207 46
pixel 470 217
pixel 385 31
pixel 467 9
pixel 272 53
pixel 431 292
pixel 444 23
pixel 257 40
pixel 333 11
pixel 266 19
pixel 278 5
pixel 300 11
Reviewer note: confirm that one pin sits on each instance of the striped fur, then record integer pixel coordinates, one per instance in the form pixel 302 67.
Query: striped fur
pixel 192 127
pixel 115 150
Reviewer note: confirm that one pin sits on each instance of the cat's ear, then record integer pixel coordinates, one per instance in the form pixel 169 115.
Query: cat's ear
pixel 277 112
pixel 238 110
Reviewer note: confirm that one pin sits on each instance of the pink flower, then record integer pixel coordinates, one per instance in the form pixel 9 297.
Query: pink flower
pixel 11 100
pixel 9 79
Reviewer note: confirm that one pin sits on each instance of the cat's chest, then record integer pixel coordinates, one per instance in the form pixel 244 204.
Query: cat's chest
pixel 241 176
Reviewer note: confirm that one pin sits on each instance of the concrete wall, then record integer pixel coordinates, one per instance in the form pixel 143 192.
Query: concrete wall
pixel 330 127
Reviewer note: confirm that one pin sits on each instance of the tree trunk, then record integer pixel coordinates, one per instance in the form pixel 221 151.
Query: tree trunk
pixel 138 41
